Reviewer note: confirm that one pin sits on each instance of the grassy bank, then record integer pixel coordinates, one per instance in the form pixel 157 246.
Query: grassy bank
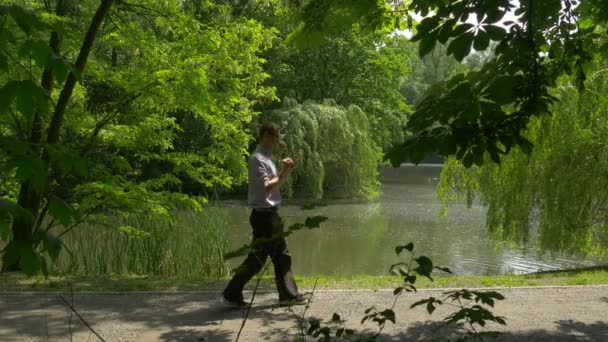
pixel 190 243
pixel 15 282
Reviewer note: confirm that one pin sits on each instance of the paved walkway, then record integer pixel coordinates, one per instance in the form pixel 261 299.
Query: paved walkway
pixel 533 314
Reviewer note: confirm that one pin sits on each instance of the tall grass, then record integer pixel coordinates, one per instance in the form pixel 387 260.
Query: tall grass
pixel 190 244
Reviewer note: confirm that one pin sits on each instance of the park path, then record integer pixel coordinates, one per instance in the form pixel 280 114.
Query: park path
pixel 578 313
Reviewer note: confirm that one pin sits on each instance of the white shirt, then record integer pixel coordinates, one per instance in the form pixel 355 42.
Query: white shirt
pixel 261 170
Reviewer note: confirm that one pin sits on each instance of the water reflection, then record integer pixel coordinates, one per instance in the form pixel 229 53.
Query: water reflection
pixel 359 238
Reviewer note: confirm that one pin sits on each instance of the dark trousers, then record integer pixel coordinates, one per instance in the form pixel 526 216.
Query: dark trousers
pixel 266 226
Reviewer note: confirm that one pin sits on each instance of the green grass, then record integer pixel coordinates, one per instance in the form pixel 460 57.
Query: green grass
pixel 190 243
pixel 16 282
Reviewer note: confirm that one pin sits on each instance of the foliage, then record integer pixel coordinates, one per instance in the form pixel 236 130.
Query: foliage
pixel 555 197
pixel 485 110
pixel 472 305
pixel 428 70
pixel 356 68
pixel 332 144
pixel 107 140
pixel 185 245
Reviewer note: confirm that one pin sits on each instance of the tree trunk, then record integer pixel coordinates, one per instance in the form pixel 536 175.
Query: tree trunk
pixel 29 198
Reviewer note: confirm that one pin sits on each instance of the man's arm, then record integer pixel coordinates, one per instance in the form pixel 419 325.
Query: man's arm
pixel 259 173
pixel 280 179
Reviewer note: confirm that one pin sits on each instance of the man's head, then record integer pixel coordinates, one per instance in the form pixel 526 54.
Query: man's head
pixel 269 135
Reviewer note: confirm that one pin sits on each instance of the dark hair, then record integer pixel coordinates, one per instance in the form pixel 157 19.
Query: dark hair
pixel 269 127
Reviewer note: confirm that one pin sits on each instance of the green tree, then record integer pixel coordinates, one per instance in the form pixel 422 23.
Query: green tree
pixel 81 146
pixel 554 198
pixel 336 156
pixel 486 110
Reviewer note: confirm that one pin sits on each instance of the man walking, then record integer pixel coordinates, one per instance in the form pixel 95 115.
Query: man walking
pixel 264 198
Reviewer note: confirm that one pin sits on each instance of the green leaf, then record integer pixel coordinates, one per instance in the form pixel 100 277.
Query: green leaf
pixel 52 245
pixel 445 33
pixel 461 46
pixel 335 317
pixel 17 212
pixel 425 266
pixel 27 20
pixel 421 302
pixel 80 167
pixel 315 221
pixel 349 332
pixel 340 332
pixel 7 93
pixel 525 145
pixel 22 251
pixel 325 331
pixel 427 44
pixel 398 290
pixel 61 211
pixel 5 229
pixel 461 29
pixel 425 27
pixel 32 169
pixel 444 269
pixel 586 23
pixel 395 268
pixel 389 315
pixel 314 325
pixel 29 98
pixel 38 50
pixel 241 251
pixel 503 89
pixel 72 68
pixel 496 33
pixel 494 153
pixel 133 233
pixel 3 63
pixel 468 159
pixel 295 227
pixel 482 41
pixel 409 247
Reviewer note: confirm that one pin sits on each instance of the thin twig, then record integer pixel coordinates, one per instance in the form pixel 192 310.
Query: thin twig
pixel 255 290
pixel 74 225
pixel 81 318
pixel 302 318
pixel 71 315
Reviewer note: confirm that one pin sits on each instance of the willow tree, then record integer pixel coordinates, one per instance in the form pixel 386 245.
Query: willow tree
pixel 556 198
pixel 332 145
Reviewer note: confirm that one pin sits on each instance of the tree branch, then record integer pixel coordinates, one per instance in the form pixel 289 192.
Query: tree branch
pixel 128 4
pixel 68 88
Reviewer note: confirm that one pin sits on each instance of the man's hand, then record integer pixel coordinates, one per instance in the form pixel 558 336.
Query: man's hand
pixel 288 164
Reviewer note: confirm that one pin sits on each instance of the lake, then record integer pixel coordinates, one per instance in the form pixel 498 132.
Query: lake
pixel 359 238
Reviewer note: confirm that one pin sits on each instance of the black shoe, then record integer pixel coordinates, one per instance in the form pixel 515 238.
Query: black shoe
pixel 235 303
pixel 297 300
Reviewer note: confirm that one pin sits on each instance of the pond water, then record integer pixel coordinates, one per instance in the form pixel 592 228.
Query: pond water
pixel 359 238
